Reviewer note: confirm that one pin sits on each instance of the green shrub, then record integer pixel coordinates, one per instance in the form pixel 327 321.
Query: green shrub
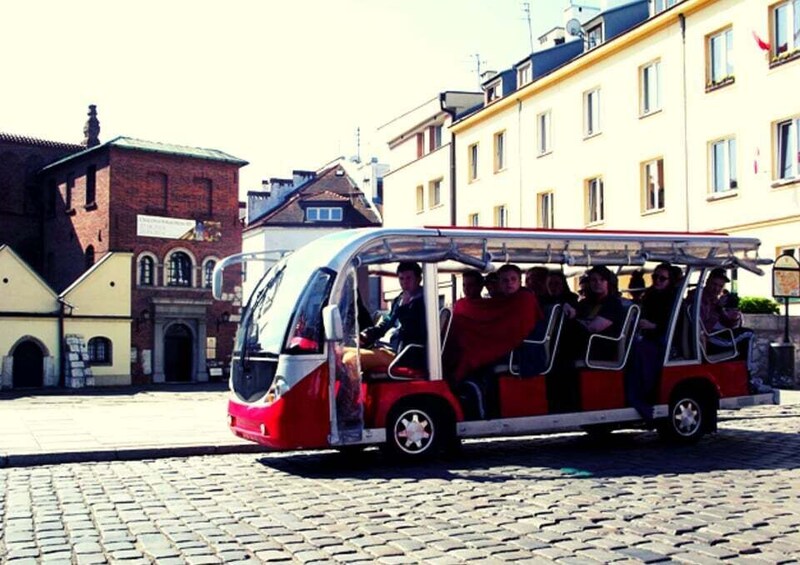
pixel 758 305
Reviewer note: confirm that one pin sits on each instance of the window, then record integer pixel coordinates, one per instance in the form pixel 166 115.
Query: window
pixel 493 92
pixel 543 133
pixel 653 185
pixel 719 58
pixel 180 270
pixel 70 188
pixel 499 151
pixel 435 137
pixel 591 112
pixel 204 203
pixel 211 347
pixel 501 216
pixel 546 212
pixel 146 271
pixel 661 5
pixel 785 28
pixel 420 199
pixel 650 88
pixel 89 256
pixel 434 193
pixel 420 145
pixel 91 185
pixel 723 165
pixel 99 350
pixel 472 162
pixel 788 140
pixel 594 36
pixel 474 220
pixel 208 273
pixel 323 214
pixel 523 75
pixel 594 201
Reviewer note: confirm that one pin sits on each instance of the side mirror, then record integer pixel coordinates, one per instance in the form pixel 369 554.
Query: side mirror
pixel 332 322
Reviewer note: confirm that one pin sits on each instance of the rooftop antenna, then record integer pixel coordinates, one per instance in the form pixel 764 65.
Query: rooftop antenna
pixel 478 63
pixel 526 7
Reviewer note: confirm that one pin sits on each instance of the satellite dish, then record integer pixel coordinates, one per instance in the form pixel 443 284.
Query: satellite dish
pixel 574 27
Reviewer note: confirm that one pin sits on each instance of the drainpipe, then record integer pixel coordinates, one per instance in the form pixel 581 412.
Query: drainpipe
pixel 62 376
pixel 682 21
pixel 453 201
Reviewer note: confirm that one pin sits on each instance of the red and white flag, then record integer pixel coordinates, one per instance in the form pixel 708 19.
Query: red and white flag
pixel 763 45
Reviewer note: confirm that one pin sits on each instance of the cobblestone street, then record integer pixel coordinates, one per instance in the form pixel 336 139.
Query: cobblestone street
pixel 630 499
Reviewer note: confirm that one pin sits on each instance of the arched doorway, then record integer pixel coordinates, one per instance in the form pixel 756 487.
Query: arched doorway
pixel 178 353
pixel 28 369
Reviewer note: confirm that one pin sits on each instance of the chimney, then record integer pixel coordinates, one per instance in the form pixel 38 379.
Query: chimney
pixel 91 130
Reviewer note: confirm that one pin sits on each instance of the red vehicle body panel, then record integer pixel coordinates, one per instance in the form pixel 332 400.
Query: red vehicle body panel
pixel 602 390
pixel 729 378
pixel 522 396
pixel 298 419
pixel 382 395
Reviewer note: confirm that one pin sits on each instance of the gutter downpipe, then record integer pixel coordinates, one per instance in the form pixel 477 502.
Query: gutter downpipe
pixel 62 376
pixel 682 21
pixel 453 200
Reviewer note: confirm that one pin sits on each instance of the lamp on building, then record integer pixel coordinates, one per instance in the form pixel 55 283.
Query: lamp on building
pixel 142 318
pixel 223 318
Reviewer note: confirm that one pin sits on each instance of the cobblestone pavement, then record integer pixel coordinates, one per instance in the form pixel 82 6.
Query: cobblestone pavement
pixel 631 499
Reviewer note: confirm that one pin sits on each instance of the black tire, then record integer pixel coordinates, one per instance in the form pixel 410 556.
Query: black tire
pixel 415 430
pixel 689 415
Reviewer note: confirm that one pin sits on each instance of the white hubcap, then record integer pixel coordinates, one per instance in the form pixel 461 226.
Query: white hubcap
pixel 687 417
pixel 413 431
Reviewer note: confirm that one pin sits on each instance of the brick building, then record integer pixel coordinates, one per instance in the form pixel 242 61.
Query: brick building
pixel 22 206
pixel 175 209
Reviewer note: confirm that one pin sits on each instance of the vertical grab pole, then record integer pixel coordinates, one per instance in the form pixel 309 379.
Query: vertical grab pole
pixel 430 285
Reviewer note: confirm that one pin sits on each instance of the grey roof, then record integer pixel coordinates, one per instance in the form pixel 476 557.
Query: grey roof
pixel 157 147
pixel 24 139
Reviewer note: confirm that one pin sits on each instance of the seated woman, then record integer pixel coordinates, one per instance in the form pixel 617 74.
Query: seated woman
pixel 601 312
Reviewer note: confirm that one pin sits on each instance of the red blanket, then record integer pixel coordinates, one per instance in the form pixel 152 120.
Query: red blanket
pixel 484 330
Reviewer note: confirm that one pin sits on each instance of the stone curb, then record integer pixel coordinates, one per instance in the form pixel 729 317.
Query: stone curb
pixel 125 454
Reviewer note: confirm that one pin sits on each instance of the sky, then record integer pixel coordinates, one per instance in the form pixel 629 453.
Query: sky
pixel 281 84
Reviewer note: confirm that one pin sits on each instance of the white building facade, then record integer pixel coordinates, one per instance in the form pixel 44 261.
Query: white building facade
pixel 688 121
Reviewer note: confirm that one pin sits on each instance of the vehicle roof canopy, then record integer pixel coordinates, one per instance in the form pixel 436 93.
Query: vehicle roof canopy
pixel 481 247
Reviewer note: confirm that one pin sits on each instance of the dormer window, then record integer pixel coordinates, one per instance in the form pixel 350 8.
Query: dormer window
pixel 323 214
pixel 594 36
pixel 523 75
pixel 493 92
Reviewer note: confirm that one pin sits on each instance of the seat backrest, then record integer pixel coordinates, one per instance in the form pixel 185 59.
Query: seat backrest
pixel 445 319
pixel 628 330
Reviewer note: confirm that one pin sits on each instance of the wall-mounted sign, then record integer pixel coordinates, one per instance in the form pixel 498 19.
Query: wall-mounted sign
pixel 178 228
pixel 786 277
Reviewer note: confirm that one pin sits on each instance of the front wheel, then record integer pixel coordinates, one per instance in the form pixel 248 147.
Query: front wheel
pixel 415 430
pixel 687 419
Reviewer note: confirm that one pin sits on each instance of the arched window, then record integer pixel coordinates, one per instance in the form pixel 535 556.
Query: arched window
pixel 146 271
pixel 180 270
pixel 208 273
pixel 89 256
pixel 99 351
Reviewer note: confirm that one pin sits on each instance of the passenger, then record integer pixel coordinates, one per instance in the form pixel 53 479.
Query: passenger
pixel 483 334
pixel 407 317
pixel 583 287
pixel 471 286
pixel 718 313
pixel 647 352
pixel 536 280
pixel 510 279
pixel 600 313
pixel 492 284
pixel 558 289
pixel 636 286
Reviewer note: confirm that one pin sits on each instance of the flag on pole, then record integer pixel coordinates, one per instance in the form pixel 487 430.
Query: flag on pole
pixel 763 45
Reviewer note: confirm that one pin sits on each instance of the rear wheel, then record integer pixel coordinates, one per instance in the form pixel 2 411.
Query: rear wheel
pixel 415 430
pixel 688 417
